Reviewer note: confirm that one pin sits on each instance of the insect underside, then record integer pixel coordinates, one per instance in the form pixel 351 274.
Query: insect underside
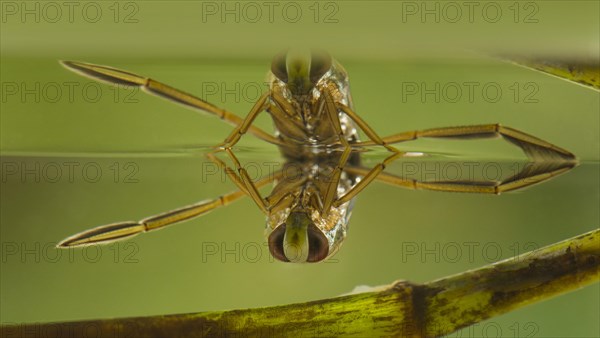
pixel 317 132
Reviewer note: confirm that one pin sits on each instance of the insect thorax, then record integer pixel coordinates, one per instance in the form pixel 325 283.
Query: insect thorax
pixel 302 188
pixel 301 119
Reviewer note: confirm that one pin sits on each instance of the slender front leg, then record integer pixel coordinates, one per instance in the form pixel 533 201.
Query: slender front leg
pixel 332 187
pixel 331 112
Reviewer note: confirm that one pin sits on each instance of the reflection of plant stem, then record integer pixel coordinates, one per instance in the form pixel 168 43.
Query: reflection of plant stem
pixel 402 309
pixel 583 72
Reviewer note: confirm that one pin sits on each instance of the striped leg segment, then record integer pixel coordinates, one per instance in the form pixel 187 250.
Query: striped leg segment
pixel 122 230
pixel 120 77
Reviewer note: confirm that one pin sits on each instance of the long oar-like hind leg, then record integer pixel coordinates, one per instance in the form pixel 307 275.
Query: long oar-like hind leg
pixel 535 148
pixel 531 174
pixel 546 162
pixel 118 231
pixel 121 77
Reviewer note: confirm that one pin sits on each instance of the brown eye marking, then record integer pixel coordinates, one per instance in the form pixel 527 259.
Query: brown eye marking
pixel 318 247
pixel 276 243
pixel 278 66
pixel 319 65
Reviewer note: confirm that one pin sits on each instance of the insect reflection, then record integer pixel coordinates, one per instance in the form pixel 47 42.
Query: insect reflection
pixel 317 132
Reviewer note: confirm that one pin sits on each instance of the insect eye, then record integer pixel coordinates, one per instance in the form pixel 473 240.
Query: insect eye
pixel 278 66
pixel 276 243
pixel 320 64
pixel 318 246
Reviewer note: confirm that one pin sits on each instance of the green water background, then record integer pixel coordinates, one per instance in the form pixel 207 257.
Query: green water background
pixel 221 261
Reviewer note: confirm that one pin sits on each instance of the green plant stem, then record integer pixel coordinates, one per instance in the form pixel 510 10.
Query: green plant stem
pixel 402 309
